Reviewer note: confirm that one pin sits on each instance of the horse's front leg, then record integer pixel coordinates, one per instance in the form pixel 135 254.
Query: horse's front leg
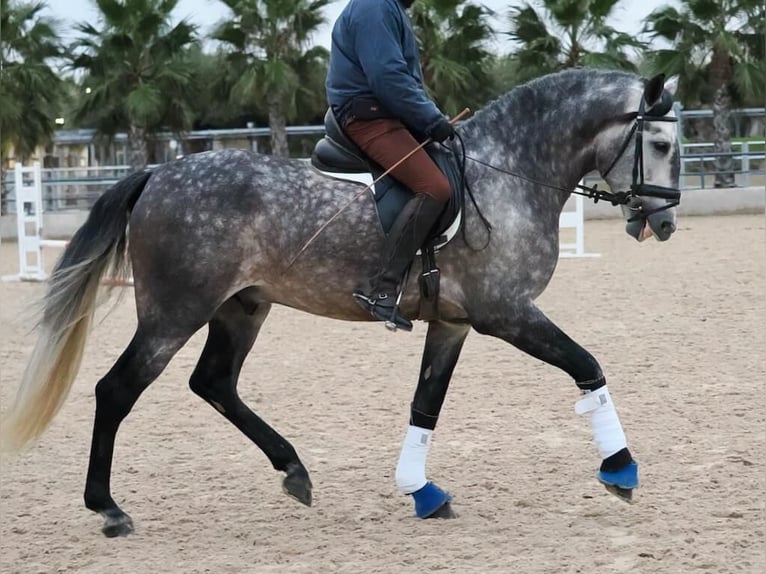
pixel 528 329
pixel 442 349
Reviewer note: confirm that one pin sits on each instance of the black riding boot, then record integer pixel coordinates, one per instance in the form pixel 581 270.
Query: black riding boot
pixel 408 233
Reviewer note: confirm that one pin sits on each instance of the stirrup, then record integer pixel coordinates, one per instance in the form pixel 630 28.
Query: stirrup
pixel 386 313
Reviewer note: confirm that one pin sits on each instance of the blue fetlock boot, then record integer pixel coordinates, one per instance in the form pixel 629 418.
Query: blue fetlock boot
pixel 429 499
pixel 621 482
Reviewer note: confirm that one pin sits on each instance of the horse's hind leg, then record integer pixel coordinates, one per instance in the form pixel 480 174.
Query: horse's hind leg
pixel 141 363
pixel 528 329
pixel 232 332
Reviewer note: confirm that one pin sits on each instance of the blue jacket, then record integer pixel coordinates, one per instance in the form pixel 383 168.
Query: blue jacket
pixel 374 53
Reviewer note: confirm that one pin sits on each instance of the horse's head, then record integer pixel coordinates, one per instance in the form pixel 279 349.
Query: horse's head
pixel 641 154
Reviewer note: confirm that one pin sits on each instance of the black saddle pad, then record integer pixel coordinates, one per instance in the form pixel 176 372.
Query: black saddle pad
pixel 336 153
pixel 390 195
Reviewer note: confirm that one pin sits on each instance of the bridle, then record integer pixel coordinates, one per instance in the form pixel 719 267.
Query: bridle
pixel 638 188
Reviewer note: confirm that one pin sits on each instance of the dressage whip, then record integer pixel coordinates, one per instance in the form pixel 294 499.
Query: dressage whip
pixel 306 245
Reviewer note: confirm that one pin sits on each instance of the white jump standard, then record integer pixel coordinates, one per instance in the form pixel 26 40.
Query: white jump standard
pixel 29 225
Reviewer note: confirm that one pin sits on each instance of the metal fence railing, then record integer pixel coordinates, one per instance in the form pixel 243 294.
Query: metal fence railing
pixel 78 188
pixel 69 188
pixel 698 169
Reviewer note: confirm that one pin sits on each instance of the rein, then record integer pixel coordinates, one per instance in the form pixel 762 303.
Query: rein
pixel 587 191
pixel 638 187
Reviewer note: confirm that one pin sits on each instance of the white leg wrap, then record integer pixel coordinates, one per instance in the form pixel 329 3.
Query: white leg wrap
pixel 607 430
pixel 411 470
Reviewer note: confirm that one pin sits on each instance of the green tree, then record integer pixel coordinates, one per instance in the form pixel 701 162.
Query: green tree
pixel 453 36
pixel 269 52
pixel 30 95
pixel 213 108
pixel 568 33
pixel 717 50
pixel 506 73
pixel 138 76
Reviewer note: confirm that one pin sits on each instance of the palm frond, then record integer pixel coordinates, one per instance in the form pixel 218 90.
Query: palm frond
pixel 144 104
pixel 30 94
pixel 750 79
pixel 569 13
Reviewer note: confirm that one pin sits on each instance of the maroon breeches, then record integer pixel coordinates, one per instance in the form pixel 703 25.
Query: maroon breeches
pixel 386 141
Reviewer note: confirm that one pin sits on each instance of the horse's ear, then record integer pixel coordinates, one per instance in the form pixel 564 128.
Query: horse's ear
pixel 653 89
pixel 671 84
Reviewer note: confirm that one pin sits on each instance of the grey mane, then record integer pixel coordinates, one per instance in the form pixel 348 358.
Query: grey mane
pixel 586 94
pixel 523 122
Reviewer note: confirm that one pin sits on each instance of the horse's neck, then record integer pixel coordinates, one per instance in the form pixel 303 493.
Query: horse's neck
pixel 547 144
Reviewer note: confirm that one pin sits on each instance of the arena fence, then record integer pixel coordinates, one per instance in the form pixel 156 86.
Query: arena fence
pixel 32 239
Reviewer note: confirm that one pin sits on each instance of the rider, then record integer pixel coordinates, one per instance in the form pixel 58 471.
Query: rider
pixel 375 89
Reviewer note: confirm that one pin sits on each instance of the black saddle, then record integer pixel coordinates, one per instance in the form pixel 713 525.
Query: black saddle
pixel 336 153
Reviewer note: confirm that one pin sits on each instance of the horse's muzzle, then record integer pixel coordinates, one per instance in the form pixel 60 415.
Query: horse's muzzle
pixel 660 225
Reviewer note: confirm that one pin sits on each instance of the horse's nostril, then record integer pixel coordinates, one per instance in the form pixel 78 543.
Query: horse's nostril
pixel 668 226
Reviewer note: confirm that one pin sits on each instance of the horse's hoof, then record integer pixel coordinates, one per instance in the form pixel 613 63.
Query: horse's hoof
pixel 116 524
pixel 432 502
pixel 444 511
pixel 624 494
pixel 297 484
pixel 622 482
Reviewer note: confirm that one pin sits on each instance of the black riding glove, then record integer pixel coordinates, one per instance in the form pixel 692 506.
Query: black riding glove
pixel 442 131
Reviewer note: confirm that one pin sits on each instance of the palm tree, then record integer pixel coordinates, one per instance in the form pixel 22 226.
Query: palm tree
pixel 569 33
pixel 453 36
pixel 213 108
pixel 138 77
pixel 268 47
pixel 30 89
pixel 719 44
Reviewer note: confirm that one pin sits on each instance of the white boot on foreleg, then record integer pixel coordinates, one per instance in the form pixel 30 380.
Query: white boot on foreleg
pixel 430 500
pixel 610 439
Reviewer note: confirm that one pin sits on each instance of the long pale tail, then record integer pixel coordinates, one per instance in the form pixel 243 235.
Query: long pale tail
pixel 67 309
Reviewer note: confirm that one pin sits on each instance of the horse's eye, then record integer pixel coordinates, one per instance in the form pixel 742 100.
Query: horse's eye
pixel 662 147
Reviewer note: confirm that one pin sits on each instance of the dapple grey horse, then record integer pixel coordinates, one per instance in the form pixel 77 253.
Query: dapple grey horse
pixel 209 237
